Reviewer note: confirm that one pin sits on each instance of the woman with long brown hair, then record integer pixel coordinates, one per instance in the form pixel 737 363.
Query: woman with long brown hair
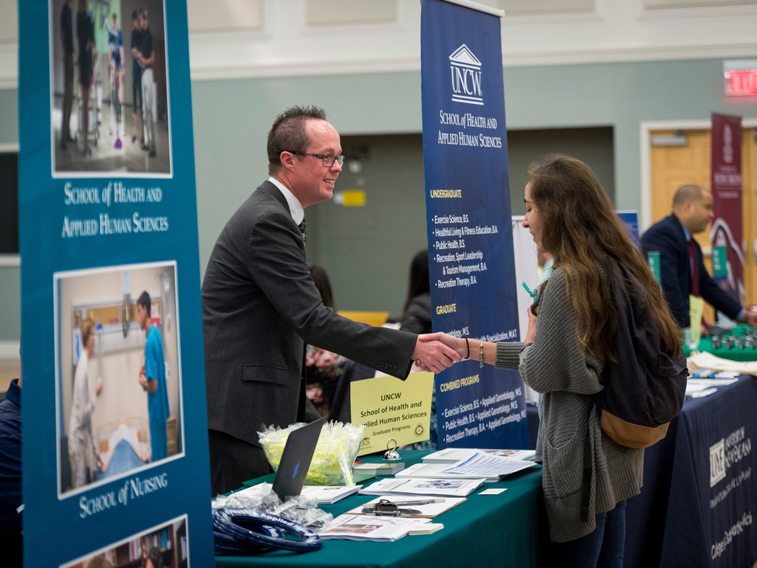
pixel 571 336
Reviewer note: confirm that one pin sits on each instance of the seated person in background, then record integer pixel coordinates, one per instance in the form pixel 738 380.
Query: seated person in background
pixel 11 535
pixel 416 315
pixel 416 318
pixel 322 368
pixel 682 271
pixel 124 442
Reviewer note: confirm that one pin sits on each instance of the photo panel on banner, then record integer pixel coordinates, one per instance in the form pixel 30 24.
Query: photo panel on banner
pixel 112 87
pixel 164 545
pixel 471 257
pixel 115 447
pixel 100 300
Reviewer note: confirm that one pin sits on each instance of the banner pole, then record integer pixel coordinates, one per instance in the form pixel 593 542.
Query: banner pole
pixel 477 6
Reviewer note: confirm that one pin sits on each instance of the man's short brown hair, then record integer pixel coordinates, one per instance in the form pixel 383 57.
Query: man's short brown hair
pixel 288 133
pixel 688 192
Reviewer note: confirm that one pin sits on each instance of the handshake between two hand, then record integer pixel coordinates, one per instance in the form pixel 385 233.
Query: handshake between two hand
pixel 438 351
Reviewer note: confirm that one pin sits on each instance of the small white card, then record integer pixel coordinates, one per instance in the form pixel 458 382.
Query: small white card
pixel 493 491
pixel 429 528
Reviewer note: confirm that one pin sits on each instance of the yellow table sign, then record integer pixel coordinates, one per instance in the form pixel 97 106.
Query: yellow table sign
pixel 696 308
pixel 392 409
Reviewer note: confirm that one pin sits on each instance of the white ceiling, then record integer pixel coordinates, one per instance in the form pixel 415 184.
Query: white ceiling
pixel 263 38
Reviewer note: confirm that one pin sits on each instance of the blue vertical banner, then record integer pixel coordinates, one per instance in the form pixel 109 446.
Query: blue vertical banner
pixel 471 259
pixel 631 221
pixel 115 447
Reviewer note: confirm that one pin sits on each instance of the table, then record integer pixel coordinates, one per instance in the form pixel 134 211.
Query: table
pixel 699 501
pixel 486 530
pixel 705 344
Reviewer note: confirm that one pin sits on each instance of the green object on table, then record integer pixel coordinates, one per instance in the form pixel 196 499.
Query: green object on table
pixel 719 262
pixel 734 354
pixel 508 529
pixel 653 258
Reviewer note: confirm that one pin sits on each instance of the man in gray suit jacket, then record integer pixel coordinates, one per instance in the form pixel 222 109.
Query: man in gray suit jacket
pixel 260 305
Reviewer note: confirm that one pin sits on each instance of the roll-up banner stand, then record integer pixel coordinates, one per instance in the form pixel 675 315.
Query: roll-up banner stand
pixel 472 271
pixel 115 446
pixel 726 234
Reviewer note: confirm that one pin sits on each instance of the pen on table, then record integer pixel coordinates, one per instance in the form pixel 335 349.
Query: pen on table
pixel 423 502
pixel 530 293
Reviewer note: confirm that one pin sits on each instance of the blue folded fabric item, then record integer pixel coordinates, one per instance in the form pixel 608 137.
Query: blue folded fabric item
pixel 239 531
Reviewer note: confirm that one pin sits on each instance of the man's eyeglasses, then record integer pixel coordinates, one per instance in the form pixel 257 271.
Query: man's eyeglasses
pixel 326 159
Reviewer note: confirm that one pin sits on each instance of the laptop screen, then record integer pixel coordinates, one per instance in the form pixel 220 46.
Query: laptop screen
pixel 295 461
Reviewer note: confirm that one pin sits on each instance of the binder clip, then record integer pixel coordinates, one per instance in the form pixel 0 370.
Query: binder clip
pixel 392 454
pixel 385 508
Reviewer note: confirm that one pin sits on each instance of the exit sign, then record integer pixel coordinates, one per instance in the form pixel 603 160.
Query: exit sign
pixel 740 78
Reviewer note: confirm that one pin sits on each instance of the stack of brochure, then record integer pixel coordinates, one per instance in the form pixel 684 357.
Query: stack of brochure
pixel 324 494
pixel 480 465
pixel 439 471
pixel 413 486
pixel 329 494
pixel 361 527
pixel 379 469
pixel 454 455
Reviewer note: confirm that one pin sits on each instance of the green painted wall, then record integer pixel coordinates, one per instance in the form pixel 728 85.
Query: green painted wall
pixel 382 237
pixel 367 250
pixel 10 276
pixel 593 145
pixel 10 303
pixel 8 117
pixel 232 117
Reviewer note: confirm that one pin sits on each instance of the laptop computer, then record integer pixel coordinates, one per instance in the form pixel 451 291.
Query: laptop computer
pixel 295 461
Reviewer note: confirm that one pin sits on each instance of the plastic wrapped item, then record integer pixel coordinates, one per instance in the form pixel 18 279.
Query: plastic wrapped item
pixel 337 449
pixel 260 497
pixel 300 509
pixel 305 511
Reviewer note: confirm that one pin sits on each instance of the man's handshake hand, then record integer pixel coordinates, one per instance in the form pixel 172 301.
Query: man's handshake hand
pixel 432 354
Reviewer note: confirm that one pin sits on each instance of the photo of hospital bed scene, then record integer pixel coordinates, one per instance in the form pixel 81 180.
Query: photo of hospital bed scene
pixel 165 546
pixel 109 97
pixel 118 394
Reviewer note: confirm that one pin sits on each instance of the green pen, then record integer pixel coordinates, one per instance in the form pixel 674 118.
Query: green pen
pixel 533 295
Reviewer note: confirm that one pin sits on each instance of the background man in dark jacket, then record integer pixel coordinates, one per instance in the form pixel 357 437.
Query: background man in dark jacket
pixel 682 270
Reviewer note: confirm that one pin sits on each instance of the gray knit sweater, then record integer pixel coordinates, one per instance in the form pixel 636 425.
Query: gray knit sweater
pixel 561 368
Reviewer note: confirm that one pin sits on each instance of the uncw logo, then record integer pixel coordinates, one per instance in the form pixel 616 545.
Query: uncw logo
pixel 465 72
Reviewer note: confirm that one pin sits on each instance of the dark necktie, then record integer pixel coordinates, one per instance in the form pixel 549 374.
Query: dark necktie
pixel 694 268
pixel 302 230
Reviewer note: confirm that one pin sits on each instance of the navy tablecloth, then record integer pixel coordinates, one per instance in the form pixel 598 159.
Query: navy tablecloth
pixel 699 499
